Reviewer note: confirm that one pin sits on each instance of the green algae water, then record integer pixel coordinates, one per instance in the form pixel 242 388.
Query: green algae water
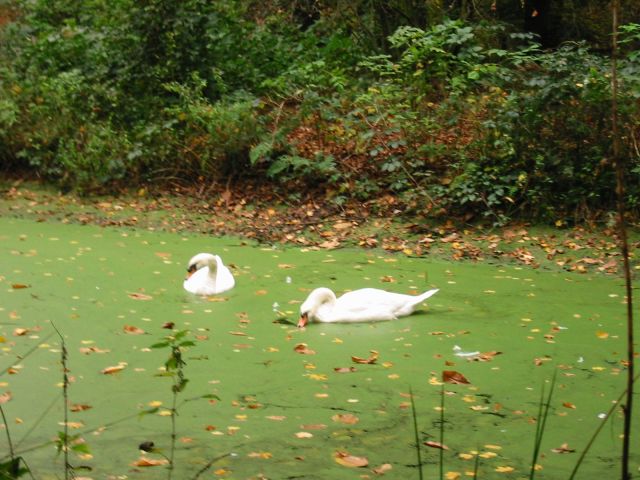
pixel 292 412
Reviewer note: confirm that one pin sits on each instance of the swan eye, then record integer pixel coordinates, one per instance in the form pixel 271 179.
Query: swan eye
pixel 191 269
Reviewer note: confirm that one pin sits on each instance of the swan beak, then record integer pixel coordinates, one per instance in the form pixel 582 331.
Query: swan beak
pixel 190 271
pixel 304 319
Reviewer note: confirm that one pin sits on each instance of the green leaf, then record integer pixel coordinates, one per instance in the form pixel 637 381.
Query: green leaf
pixel 149 411
pixel 211 395
pixel 160 345
pixel 81 448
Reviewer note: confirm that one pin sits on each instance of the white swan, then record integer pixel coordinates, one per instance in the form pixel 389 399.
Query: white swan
pixel 207 275
pixel 367 304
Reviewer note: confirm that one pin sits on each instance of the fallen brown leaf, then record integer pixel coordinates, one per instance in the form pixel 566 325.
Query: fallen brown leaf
pixel 382 469
pixel 303 349
pixel 564 448
pixel 111 370
pixel 346 418
pixel 149 462
pixel 344 369
pixel 373 358
pixel 346 460
pixel 17 286
pixel 451 376
pixel 79 407
pixel 436 445
pixel 131 330
pixel 139 296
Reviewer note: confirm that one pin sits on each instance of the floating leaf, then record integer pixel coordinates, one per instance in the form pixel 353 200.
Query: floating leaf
pixel 314 426
pixel 131 330
pixel 303 435
pixel 568 405
pixel 373 358
pixel 346 418
pixel 344 369
pixel 564 448
pixel 452 475
pixel 18 286
pixel 346 460
pixel 504 469
pixel 139 296
pixel 168 325
pixel 19 332
pixel 263 455
pixel 150 462
pixel 382 469
pixel 303 349
pixel 5 397
pixel 451 376
pixel 436 445
pixel 112 370
pixel 79 407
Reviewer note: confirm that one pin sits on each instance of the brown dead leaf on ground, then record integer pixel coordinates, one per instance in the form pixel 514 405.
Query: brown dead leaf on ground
pixel 329 244
pixel 373 358
pixel 347 460
pixel 451 376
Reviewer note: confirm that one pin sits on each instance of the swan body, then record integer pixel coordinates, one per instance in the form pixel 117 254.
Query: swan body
pixel 207 275
pixel 365 305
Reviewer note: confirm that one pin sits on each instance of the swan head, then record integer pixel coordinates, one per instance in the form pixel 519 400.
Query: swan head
pixel 316 299
pixel 202 260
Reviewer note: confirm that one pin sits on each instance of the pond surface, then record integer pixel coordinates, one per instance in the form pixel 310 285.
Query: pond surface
pixel 284 414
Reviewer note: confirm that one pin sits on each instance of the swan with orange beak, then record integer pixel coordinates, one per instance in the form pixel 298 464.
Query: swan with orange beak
pixel 364 305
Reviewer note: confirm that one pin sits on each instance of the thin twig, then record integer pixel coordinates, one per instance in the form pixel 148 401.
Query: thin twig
pixel 416 436
pixel 441 432
pixel 65 396
pixel 591 441
pixel 543 414
pixel 6 427
pixel 624 242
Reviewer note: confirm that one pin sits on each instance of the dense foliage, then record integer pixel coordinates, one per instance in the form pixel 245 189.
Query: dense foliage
pixel 393 103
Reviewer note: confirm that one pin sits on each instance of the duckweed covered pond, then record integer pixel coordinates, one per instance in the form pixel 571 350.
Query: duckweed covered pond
pixel 286 414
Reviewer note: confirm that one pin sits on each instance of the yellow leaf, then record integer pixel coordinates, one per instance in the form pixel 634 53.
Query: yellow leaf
pixel 504 469
pixel 346 460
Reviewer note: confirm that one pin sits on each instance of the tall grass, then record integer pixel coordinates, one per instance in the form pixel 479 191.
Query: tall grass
pixel 543 414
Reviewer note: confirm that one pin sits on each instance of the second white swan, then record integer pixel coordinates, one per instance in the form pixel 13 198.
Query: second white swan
pixel 364 305
pixel 207 275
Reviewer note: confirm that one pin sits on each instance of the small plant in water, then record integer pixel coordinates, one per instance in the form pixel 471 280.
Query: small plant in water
pixel 174 368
